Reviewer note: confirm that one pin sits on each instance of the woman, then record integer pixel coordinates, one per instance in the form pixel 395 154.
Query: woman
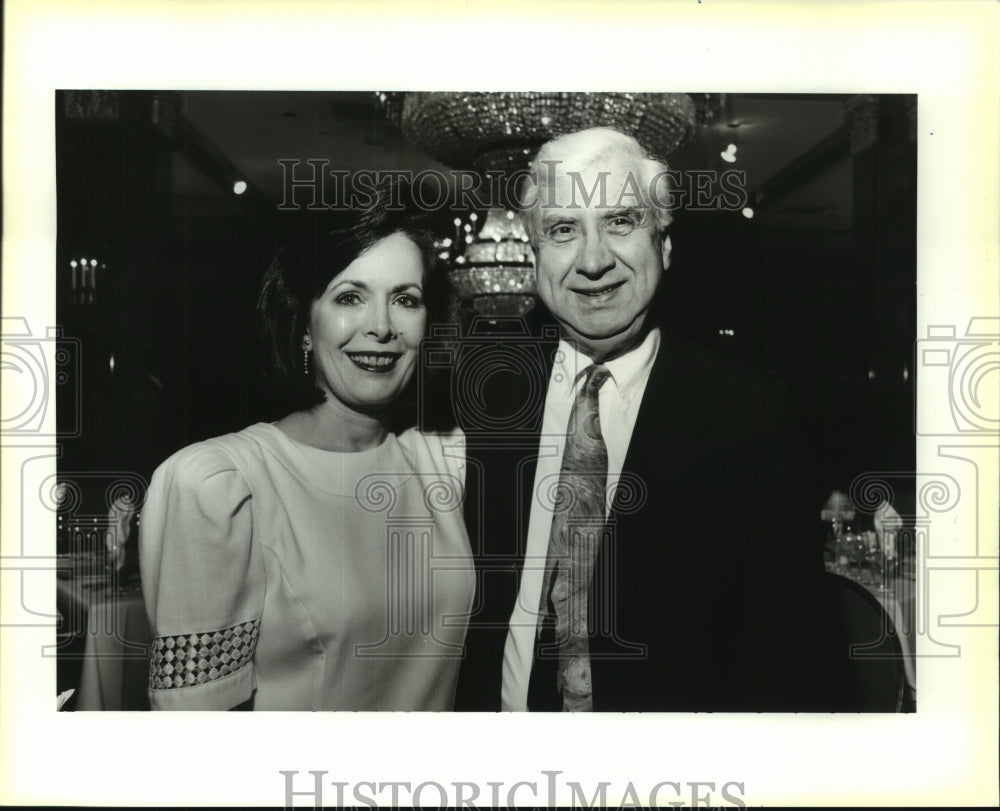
pixel 321 561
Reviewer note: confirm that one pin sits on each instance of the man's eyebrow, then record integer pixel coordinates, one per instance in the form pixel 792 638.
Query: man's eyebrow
pixel 552 219
pixel 634 211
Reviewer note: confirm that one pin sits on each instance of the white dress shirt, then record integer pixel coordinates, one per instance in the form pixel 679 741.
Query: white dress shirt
pixel 618 405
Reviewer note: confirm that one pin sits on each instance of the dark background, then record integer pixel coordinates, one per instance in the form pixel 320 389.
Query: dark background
pixel 818 288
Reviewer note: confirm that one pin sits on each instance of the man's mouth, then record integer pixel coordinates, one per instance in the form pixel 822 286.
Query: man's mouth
pixel 374 361
pixel 598 292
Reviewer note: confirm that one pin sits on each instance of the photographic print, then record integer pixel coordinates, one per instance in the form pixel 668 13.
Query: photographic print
pixel 792 233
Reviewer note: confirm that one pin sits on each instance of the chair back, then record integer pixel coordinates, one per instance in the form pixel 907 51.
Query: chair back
pixel 866 660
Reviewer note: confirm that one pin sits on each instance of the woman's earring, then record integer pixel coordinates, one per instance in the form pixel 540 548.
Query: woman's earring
pixel 305 359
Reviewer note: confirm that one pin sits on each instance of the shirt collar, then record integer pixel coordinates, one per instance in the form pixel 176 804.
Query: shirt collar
pixel 629 371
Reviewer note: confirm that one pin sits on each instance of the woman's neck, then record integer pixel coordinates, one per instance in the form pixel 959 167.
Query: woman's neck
pixel 332 426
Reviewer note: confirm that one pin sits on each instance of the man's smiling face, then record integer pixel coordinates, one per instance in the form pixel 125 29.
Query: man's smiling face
pixel 599 257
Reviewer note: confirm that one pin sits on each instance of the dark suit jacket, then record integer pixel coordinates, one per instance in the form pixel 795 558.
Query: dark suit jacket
pixel 706 595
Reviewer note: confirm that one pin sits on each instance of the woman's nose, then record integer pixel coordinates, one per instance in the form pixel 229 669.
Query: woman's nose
pixel 380 324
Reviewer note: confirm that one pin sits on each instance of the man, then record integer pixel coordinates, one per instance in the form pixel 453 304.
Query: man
pixel 638 525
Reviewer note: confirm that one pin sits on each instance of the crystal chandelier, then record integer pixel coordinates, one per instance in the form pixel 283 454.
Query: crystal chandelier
pixel 495 274
pixel 501 131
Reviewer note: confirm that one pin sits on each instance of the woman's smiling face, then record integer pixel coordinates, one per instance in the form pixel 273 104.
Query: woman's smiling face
pixel 365 328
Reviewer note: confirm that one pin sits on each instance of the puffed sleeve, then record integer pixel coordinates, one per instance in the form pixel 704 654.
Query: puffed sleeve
pixel 438 453
pixel 453 450
pixel 203 581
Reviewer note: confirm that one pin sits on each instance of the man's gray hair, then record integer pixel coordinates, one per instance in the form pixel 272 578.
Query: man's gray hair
pixel 582 150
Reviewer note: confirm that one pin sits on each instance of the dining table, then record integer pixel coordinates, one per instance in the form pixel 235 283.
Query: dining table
pixel 104 629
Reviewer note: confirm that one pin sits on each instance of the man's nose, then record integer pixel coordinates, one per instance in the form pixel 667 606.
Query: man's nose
pixel 595 257
pixel 380 325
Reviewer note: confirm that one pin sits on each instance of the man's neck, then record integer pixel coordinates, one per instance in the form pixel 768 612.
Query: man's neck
pixel 603 350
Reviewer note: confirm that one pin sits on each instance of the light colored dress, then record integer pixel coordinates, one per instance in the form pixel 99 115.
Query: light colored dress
pixel 309 579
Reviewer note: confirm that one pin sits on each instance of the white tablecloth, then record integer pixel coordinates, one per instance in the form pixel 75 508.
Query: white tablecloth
pixel 115 667
pixel 899 602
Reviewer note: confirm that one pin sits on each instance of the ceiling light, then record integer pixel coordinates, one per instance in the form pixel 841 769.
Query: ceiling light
pixel 490 131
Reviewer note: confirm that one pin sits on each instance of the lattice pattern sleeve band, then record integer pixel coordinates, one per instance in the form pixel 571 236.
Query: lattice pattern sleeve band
pixel 199 658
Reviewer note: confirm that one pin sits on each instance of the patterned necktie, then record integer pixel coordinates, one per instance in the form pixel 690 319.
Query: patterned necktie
pixel 574 541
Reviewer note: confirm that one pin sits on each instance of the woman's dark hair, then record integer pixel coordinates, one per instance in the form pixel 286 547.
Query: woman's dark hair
pixel 322 247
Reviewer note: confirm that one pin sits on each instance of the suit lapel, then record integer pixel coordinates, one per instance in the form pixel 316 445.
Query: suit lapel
pixel 672 418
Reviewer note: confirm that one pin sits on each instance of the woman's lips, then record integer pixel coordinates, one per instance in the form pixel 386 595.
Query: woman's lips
pixel 374 361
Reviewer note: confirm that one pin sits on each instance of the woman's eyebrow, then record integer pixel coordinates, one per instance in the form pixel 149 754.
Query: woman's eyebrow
pixel 362 286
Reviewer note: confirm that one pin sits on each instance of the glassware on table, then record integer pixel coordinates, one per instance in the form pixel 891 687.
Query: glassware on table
pixel 856 554
pixel 836 518
pixel 885 566
pixel 868 545
pixel 838 544
pixel 831 530
pixel 841 559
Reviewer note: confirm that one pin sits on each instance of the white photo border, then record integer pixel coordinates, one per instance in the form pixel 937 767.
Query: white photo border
pixel 945 754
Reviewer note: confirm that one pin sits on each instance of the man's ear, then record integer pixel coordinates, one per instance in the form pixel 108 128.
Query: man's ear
pixel 666 251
